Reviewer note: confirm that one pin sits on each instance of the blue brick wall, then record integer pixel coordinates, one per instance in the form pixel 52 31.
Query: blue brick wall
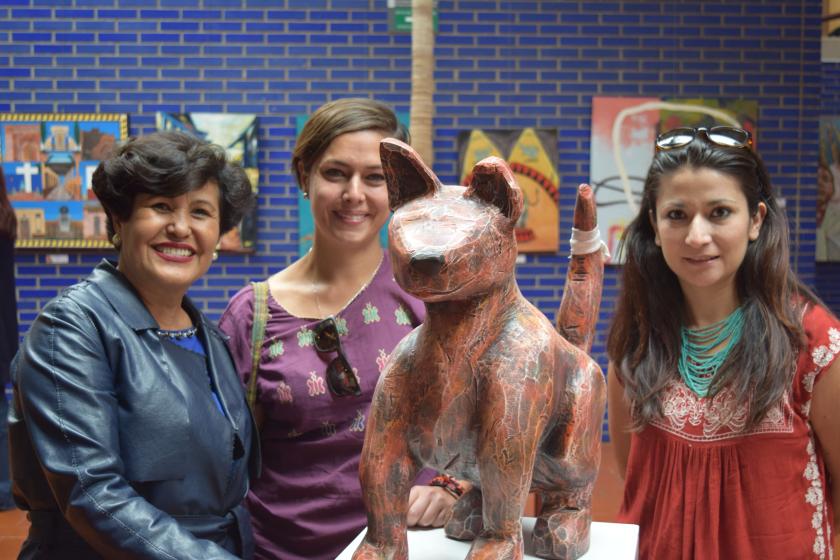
pixel 827 278
pixel 500 64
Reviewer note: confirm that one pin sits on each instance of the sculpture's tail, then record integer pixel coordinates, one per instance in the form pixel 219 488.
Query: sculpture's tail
pixel 581 301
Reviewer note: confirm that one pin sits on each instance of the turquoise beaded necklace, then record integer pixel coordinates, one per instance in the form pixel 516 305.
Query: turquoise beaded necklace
pixel 698 362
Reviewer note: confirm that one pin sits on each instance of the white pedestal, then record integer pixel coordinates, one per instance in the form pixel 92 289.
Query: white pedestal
pixel 608 541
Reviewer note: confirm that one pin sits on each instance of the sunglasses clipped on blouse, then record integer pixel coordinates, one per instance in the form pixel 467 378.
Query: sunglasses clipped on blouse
pixel 341 379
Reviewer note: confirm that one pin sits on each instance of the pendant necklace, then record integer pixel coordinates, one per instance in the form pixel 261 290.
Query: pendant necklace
pixel 699 361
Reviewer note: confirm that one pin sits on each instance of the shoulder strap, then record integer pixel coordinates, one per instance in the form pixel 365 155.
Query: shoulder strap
pixel 257 336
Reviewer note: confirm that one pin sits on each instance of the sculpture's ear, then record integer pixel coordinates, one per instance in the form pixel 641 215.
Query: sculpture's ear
pixel 406 174
pixel 493 182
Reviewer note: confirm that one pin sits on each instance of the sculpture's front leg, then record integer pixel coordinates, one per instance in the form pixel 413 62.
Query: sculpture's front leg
pixel 563 525
pixel 387 470
pixel 512 416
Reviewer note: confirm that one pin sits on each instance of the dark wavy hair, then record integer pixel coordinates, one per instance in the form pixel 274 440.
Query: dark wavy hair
pixel 339 117
pixel 170 163
pixel 644 339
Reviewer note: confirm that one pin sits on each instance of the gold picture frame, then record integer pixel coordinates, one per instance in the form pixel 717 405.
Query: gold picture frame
pixel 48 160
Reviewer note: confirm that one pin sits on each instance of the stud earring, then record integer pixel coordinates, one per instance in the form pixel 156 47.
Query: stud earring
pixel 215 255
pixel 116 240
pixel 306 195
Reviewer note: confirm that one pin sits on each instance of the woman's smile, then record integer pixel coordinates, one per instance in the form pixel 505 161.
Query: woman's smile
pixel 350 217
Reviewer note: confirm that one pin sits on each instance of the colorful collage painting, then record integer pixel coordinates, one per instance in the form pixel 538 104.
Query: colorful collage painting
pixel 623 133
pixel 48 161
pixel 237 134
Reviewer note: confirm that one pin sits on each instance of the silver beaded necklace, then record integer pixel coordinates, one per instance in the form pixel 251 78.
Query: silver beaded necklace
pixel 178 334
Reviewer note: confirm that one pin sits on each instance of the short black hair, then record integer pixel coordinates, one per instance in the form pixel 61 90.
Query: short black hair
pixel 170 163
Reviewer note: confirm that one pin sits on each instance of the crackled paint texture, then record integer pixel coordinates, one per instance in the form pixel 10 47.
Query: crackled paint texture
pixel 486 389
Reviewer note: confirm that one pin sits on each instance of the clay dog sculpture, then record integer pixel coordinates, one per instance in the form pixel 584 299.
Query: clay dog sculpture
pixel 486 389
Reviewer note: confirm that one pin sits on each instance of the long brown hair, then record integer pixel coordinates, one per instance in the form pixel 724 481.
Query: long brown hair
pixel 644 339
pixel 8 222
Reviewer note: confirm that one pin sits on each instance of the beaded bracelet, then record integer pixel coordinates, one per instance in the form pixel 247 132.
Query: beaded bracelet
pixel 449 484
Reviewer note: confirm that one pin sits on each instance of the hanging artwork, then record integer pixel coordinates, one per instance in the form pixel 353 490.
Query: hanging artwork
pixel 48 161
pixel 532 156
pixel 237 134
pixel 828 191
pixel 623 134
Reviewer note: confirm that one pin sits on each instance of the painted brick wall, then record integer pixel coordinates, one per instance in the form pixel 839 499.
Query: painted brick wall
pixel 827 278
pixel 501 64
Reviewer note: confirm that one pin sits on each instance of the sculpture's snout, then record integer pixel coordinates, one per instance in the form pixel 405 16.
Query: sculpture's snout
pixel 428 265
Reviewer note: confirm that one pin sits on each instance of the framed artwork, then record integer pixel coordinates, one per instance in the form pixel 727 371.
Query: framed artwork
pixel 828 191
pixel 830 39
pixel 237 134
pixel 622 144
pixel 532 156
pixel 831 18
pixel 48 161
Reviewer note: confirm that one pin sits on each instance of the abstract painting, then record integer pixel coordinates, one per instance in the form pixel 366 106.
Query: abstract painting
pixel 828 191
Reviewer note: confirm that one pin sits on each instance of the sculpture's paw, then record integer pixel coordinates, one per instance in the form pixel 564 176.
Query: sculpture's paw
pixel 466 521
pixel 562 536
pixel 368 551
pixel 497 549
pixel 465 529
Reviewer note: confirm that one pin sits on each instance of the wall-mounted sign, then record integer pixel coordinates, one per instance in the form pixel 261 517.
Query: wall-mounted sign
pixel 399 16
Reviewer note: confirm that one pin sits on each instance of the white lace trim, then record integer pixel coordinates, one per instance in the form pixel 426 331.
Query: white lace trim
pixel 815 495
pixel 720 417
pixel 823 355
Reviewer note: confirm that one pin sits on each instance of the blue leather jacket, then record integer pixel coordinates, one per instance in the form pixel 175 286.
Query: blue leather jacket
pixel 113 451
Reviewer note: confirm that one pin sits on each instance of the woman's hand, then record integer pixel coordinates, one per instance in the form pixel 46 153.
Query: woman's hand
pixel 429 506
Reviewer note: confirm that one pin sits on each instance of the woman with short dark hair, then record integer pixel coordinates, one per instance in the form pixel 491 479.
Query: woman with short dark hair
pixel 130 434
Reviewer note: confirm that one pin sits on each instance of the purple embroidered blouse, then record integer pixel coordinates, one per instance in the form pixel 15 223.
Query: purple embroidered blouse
pixel 307 502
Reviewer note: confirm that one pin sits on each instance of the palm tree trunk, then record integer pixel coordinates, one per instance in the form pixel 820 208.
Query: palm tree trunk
pixel 422 78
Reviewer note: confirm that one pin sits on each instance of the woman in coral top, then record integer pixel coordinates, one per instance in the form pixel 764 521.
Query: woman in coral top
pixel 723 369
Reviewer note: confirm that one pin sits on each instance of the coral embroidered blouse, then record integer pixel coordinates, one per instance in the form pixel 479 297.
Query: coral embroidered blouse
pixel 699 487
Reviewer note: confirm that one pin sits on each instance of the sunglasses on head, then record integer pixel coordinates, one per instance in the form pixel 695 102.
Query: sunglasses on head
pixel 341 379
pixel 726 136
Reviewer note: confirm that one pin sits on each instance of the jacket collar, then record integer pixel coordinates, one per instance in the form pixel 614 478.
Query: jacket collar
pixel 127 303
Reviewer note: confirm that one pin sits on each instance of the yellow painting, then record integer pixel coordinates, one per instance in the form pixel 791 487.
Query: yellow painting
pixel 530 153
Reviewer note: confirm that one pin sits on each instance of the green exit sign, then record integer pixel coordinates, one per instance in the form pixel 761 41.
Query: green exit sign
pixel 400 19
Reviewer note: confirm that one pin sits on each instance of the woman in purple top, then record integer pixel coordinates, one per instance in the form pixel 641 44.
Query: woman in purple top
pixel 333 318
